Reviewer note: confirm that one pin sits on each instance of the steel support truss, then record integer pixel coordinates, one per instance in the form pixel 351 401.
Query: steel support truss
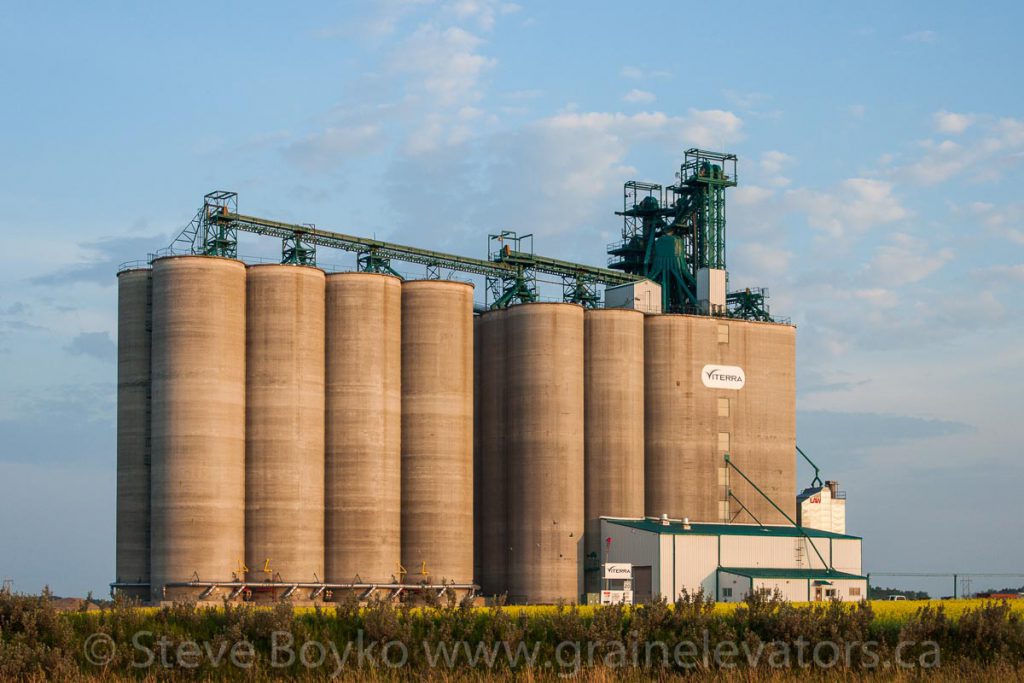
pixel 316 589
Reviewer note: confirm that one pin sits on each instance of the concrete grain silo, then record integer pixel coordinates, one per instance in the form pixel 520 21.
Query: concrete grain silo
pixel 692 419
pixel 490 477
pixel 284 426
pixel 437 431
pixel 544 374
pixel 364 428
pixel 198 422
pixel 614 421
pixel 134 326
pixel 681 463
pixel 761 422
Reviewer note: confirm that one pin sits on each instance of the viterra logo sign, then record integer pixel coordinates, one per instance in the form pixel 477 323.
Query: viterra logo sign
pixel 723 377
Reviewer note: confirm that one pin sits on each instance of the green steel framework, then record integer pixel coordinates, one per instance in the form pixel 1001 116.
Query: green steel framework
pixel 670 233
pixel 669 252
pixel 510 270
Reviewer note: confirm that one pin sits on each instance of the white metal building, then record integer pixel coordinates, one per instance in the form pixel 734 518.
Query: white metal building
pixel 728 561
pixel 642 295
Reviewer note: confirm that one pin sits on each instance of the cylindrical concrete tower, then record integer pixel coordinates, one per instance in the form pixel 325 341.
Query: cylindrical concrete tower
pixel 693 418
pixel 614 419
pixel 134 326
pixel 198 422
pixel 681 462
pixel 364 427
pixel 437 431
pixel 544 373
pixel 491 477
pixel 284 424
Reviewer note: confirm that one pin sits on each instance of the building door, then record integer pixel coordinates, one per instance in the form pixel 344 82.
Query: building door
pixel 817 593
pixel 642 584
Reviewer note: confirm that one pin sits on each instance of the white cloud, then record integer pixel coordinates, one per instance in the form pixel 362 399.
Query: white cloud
pixel 713 128
pixel 746 195
pixel 905 260
pixel 952 123
pixel 380 23
pixel 637 74
pixel 637 96
pixel 994 148
pixel 1006 221
pixel 555 175
pixel 921 37
pixel 857 111
pixel 707 127
pixel 444 64
pixel 762 261
pixel 773 161
pixel 484 12
pixel 857 205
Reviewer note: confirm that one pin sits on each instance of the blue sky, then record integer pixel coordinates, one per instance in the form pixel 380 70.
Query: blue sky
pixel 880 144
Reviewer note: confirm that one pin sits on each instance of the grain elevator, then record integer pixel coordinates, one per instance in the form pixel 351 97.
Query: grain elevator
pixel 290 431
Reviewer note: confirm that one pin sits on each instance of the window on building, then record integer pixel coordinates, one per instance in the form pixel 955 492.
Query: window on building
pixel 855 591
pixel 723 442
pixel 723 334
pixel 723 407
pixel 830 592
pixel 726 592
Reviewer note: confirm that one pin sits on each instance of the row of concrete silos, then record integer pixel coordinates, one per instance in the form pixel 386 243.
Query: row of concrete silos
pixel 560 442
pixel 583 414
pixel 277 424
pixel 330 418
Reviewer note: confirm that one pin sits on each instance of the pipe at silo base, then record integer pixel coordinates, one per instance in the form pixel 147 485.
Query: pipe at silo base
pixel 134 319
pixel 437 431
pixel 198 422
pixel 364 428
pixel 614 423
pixel 490 476
pixel 284 409
pixel 544 371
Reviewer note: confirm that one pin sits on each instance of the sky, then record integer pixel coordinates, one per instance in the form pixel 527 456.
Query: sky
pixel 881 152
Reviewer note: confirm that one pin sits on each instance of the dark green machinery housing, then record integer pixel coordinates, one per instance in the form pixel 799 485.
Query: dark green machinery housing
pixel 670 233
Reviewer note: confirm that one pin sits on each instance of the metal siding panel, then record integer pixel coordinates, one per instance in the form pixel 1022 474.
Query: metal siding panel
pixel 740 586
pixel 662 575
pixel 696 563
pixel 847 555
pixel 794 590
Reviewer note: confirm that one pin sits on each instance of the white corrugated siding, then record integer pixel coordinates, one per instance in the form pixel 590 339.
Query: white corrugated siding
pixel 846 555
pixel 842 587
pixel 740 587
pixel 696 564
pixel 662 581
pixel 794 590
pixel 780 552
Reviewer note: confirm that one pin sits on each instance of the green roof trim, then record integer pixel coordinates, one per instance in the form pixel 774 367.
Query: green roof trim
pixel 773 573
pixel 708 529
